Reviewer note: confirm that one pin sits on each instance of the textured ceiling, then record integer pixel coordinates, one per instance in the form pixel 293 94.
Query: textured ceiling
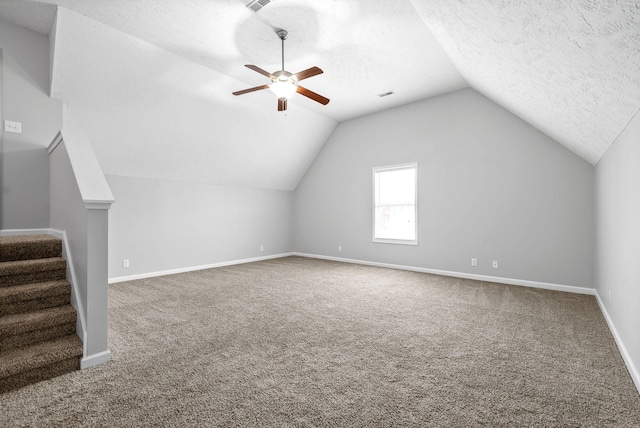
pixel 33 15
pixel 569 68
pixel 365 47
pixel 150 113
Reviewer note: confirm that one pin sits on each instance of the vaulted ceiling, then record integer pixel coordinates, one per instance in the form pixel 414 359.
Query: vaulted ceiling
pixel 570 68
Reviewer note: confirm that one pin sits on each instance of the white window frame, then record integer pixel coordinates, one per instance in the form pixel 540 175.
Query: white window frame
pixel 378 169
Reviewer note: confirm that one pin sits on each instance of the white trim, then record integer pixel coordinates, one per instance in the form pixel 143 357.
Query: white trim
pixel 633 370
pixel 195 268
pixel 395 241
pixel 407 165
pixel 509 281
pixel 94 189
pixel 81 323
pixel 378 169
pixel 16 232
pixel 95 359
pixel 98 205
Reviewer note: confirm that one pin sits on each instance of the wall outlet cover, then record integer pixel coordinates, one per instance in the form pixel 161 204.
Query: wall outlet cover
pixel 11 126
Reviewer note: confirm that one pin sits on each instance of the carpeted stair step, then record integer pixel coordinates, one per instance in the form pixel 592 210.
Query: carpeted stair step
pixel 37 322
pixel 45 360
pixel 27 247
pixel 29 271
pixel 34 297
pixel 20 330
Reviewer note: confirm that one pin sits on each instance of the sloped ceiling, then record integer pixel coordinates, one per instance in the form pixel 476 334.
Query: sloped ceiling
pixel 569 68
pixel 365 47
pixel 150 113
pixel 33 15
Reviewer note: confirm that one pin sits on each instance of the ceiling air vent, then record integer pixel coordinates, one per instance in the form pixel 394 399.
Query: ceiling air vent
pixel 256 5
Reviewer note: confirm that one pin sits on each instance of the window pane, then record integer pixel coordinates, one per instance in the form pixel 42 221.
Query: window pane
pixel 397 187
pixel 396 222
pixel 395 204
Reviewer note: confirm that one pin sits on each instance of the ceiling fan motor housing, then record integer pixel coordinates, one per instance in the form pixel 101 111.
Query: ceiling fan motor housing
pixel 283 83
pixel 283 76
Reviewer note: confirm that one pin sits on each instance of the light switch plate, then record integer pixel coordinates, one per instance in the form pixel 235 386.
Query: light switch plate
pixel 11 126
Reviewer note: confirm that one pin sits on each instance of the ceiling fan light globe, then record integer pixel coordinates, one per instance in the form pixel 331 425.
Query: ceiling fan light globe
pixel 283 89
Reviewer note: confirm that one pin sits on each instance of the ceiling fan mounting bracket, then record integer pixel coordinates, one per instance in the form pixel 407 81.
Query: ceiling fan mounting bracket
pixel 282 34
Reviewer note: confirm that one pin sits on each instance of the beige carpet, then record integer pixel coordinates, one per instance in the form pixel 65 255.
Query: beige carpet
pixel 297 342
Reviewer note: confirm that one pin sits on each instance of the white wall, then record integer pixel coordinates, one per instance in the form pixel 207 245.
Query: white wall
pixel 490 186
pixel 199 177
pixel 618 238
pixel 150 113
pixel 24 202
pixel 162 225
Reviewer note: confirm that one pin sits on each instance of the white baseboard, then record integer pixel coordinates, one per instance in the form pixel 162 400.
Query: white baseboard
pixel 95 359
pixel 509 281
pixel 195 268
pixel 633 370
pixel 44 231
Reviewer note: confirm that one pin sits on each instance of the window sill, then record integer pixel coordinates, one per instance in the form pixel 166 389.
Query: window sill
pixel 395 241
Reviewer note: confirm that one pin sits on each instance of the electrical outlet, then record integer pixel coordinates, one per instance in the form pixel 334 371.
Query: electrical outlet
pixel 11 126
pixel 494 264
pixel 125 263
pixel 261 248
pixel 474 262
pixel 339 248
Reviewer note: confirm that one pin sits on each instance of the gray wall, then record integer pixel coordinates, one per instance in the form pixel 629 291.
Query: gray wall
pixel 618 236
pixel 76 183
pixel 490 187
pixel 67 213
pixel 162 225
pixel 24 202
pixel 1 139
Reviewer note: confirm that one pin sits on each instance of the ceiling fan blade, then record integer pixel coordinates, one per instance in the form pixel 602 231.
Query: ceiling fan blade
pixel 259 70
pixel 282 104
pixel 309 72
pixel 310 94
pixel 246 91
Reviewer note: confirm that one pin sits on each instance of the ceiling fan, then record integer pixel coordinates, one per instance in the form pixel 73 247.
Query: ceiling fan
pixel 283 83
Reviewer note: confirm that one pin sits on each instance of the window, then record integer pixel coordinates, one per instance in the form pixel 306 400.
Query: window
pixel 394 204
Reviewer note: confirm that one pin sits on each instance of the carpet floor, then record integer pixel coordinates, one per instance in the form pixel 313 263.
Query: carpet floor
pixel 297 342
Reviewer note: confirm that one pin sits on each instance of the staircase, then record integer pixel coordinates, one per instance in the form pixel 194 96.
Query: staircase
pixel 38 338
